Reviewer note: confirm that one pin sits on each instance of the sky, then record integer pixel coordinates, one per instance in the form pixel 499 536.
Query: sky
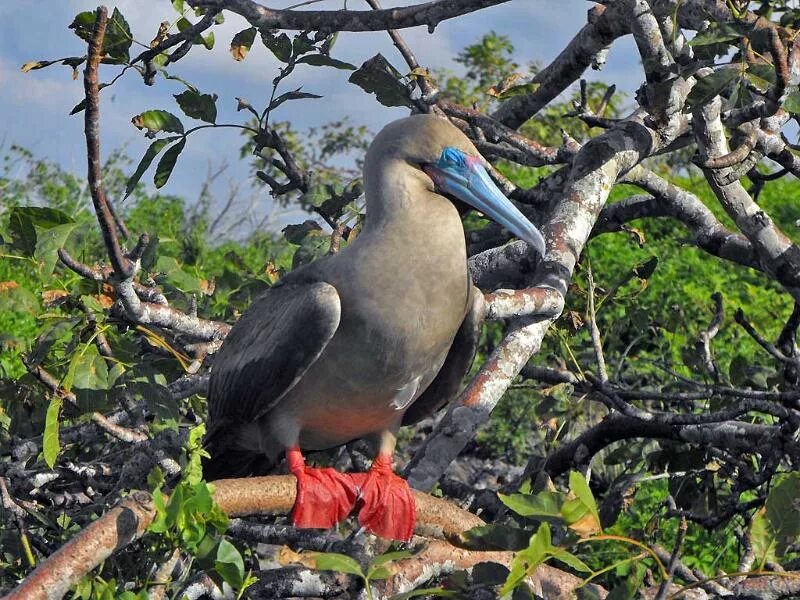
pixel 35 106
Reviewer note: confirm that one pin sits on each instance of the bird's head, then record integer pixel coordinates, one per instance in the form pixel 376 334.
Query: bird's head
pixel 452 167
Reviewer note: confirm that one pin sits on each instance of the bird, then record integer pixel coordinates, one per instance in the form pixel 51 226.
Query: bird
pixel 360 342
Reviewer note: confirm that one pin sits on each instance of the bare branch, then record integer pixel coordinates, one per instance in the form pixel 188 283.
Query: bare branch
pixel 594 330
pixel 428 13
pixel 779 256
pixel 121 265
pixel 606 24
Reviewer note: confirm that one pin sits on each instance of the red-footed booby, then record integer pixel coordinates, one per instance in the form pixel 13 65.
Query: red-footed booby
pixel 358 343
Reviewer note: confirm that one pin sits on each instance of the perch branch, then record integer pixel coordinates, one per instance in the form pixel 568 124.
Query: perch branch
pixel 129 520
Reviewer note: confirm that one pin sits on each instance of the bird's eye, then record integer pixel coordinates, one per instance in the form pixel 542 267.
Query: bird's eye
pixel 452 157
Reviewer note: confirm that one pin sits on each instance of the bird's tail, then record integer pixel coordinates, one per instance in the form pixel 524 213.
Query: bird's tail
pixel 227 461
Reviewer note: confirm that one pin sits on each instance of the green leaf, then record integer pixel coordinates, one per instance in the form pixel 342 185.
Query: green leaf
pixel 377 76
pixel 25 222
pixel 15 298
pixel 158 120
pixel 50 444
pixel 573 561
pixel 716 35
pixel 293 95
pixel 242 42
pixel 377 569
pixel 580 512
pixel 176 275
pixel 303 44
pixel 208 40
pixel 763 538
pixel 48 241
pixel 763 76
pixel 155 148
pixel 545 505
pixel 155 478
pixel 628 589
pixel 159 524
pixel 167 163
pixel 87 370
pixel 390 557
pixel 783 511
pixel 279 45
pixel 92 372
pixel 526 561
pixel 179 79
pixel 580 487
pixel 83 23
pixel 321 60
pixel 332 561
pixel 118 39
pixel 706 88
pixel 229 564
pixel 198 106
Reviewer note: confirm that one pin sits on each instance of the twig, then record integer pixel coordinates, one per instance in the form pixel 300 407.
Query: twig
pixel 740 318
pixel 673 560
pixel 19 514
pixel 428 90
pixel 163 576
pixel 709 334
pixel 594 330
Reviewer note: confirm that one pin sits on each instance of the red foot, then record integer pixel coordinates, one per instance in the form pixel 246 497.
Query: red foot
pixel 387 504
pixel 324 496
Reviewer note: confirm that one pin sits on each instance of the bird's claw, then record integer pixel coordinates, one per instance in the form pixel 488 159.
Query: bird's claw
pixel 387 504
pixel 324 496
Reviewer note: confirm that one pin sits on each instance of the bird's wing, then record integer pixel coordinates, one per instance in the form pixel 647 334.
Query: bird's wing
pixel 447 382
pixel 270 348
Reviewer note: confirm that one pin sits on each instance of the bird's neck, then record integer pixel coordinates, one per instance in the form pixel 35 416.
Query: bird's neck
pixel 402 206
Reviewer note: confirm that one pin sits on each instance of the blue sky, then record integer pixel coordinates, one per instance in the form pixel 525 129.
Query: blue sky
pixel 35 105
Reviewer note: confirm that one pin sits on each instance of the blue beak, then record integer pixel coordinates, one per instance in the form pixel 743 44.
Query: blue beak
pixel 465 178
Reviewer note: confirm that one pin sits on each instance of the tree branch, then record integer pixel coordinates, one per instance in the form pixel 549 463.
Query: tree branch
pixel 129 520
pixel 428 13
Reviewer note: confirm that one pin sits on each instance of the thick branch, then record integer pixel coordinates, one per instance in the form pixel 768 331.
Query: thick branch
pixel 236 497
pixel 606 24
pixel 429 14
pixel 105 216
pixel 779 256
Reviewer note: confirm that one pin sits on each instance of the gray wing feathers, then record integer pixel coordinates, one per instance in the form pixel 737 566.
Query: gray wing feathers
pixel 270 348
pixel 447 382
